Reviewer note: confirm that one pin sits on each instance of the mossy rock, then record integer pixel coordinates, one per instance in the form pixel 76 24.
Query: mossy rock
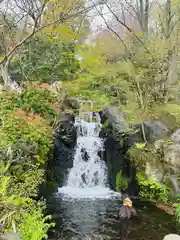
pixel 121 182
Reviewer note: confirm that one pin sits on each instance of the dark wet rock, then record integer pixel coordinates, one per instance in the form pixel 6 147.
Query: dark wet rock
pixel 65 137
pixel 84 155
pixel 155 130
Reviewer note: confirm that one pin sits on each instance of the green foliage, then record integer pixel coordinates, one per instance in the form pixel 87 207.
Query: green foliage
pixel 140 145
pixel 25 141
pixel 19 182
pixel 121 182
pixel 151 189
pixel 19 127
pixel 177 206
pixel 35 226
pixel 37 101
pixel 46 60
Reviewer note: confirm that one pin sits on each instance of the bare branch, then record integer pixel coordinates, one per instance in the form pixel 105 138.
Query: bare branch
pixel 128 28
pixel 37 28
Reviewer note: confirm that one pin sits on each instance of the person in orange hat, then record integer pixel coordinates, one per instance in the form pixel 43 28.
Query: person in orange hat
pixel 126 210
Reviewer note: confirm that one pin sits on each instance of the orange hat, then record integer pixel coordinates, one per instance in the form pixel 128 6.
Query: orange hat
pixel 127 202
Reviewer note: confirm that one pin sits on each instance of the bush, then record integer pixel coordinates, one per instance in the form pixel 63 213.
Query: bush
pixel 37 101
pixel 35 226
pixel 25 141
pixel 121 182
pixel 19 182
pixel 151 189
pixel 177 206
pixel 19 127
pixel 45 59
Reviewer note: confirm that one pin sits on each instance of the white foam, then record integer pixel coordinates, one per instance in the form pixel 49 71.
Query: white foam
pixel 88 192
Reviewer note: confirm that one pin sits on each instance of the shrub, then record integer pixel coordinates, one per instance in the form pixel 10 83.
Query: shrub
pixel 37 101
pixel 121 182
pixel 20 127
pixel 16 205
pixel 151 189
pixel 35 226
pixel 177 206
pixel 25 141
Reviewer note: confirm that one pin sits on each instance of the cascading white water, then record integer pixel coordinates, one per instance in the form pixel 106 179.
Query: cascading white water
pixel 89 170
pixel 88 177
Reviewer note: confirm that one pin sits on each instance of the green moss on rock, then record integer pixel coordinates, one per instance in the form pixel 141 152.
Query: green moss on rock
pixel 121 181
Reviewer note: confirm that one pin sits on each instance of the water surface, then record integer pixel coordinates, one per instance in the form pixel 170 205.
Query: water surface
pixel 87 218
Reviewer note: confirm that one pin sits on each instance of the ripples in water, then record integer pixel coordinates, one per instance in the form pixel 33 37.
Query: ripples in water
pixel 85 219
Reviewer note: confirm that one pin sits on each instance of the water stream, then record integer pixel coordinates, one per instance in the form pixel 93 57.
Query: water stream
pixel 85 207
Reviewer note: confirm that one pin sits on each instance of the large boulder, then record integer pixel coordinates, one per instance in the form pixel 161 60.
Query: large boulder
pixel 155 130
pixel 172 156
pixel 118 139
pixel 115 118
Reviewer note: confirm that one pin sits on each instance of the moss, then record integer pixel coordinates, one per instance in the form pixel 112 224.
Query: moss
pixel 121 181
pixel 105 124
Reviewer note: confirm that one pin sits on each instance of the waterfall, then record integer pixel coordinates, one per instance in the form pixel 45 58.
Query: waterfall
pixel 88 170
pixel 88 176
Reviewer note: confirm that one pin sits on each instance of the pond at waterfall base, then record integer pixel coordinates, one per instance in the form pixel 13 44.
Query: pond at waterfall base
pixel 94 218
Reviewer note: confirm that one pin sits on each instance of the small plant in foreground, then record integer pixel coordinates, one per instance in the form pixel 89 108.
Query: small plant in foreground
pixel 177 206
pixel 151 189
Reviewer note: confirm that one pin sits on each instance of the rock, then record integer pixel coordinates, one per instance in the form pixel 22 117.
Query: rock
pixel 172 155
pixel 115 130
pixel 65 137
pixel 115 118
pixel 176 137
pixel 155 130
pixel 70 103
pixel 175 184
pixel 154 172
pixel 172 237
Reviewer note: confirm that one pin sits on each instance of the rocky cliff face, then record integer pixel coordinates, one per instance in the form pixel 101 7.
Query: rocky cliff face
pixel 64 143
pixel 117 141
pixel 65 136
pixel 164 149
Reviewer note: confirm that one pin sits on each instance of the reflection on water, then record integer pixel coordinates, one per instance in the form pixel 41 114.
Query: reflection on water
pixel 95 219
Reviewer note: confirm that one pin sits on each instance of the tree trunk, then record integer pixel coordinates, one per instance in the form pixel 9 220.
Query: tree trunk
pixel 141 8
pixel 4 72
pixel 143 132
pixel 146 16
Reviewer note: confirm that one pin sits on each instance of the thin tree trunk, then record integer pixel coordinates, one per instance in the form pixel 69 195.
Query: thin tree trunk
pixel 141 7
pixel 4 72
pixel 143 132
pixel 146 16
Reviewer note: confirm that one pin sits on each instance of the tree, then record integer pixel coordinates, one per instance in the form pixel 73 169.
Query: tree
pixel 46 60
pixel 29 18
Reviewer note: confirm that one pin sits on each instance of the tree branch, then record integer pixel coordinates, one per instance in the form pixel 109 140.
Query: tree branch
pixel 37 29
pixel 128 28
